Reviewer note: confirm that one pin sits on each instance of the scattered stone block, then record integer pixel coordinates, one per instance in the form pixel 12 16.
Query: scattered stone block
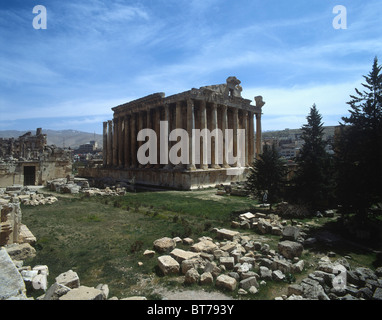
pixel 83 293
pixel 290 233
pixel 168 265
pixel 248 283
pixel 164 244
pixel 204 246
pixel 290 249
pixel 226 234
pixel 11 282
pixel 226 282
pixel 206 278
pixel 192 276
pixel 227 262
pixel 69 279
pixel 181 255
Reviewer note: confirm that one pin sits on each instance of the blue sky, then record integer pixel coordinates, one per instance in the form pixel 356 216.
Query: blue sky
pixel 96 54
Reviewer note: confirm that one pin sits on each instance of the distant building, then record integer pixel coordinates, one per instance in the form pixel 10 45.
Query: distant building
pixel 28 160
pixel 91 147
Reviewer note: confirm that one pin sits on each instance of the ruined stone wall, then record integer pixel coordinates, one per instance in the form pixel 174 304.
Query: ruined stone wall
pixel 10 222
pixel 45 162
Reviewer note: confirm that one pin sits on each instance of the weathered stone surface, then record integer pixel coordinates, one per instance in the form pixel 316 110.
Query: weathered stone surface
pixel 249 282
pixel 11 282
pixel 228 262
pixel 149 253
pixel 105 290
pixel 206 278
pixel 226 282
pixel 248 216
pixel 281 265
pixel 69 279
pixel 164 244
pixel 290 249
pixel 290 233
pixel 377 294
pixel 56 291
pixel 168 265
pixel 188 241
pixel 204 246
pixel 83 293
pixel 226 234
pixel 298 266
pixel 212 268
pixel 181 255
pixel 20 251
pixel 277 275
pixel 265 273
pixel 192 276
pixel 264 226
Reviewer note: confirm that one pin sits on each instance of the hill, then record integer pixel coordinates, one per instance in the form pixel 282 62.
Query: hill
pixel 294 133
pixel 60 138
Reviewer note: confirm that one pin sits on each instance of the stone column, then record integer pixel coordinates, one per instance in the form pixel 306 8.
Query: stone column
pixel 110 143
pixel 259 104
pixel 190 127
pixel 140 127
pixel 157 131
pixel 127 143
pixel 251 145
pixel 235 127
pixel 104 148
pixel 148 126
pixel 247 136
pixel 258 135
pixel 121 136
pixel 115 142
pixel 203 125
pixel 168 165
pixel 178 125
pixel 225 142
pixel 214 140
pixel 133 141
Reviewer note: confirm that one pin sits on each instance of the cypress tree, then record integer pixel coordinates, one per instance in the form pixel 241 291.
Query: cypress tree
pixel 267 175
pixel 359 148
pixel 312 179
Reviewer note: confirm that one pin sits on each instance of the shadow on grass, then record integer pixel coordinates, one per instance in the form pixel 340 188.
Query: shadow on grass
pixel 348 237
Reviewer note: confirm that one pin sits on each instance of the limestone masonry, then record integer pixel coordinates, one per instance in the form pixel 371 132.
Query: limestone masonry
pixel 217 107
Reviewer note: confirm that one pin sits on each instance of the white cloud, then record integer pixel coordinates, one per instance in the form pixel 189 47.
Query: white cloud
pixel 288 107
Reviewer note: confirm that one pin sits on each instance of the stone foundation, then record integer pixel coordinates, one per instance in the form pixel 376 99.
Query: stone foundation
pixel 180 180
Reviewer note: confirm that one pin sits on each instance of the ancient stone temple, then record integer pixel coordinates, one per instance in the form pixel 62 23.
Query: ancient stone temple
pixel 198 138
pixel 28 160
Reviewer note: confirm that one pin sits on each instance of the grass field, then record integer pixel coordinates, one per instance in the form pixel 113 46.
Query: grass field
pixel 103 238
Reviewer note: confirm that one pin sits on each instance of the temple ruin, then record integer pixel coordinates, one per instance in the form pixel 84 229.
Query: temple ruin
pixel 28 160
pixel 170 124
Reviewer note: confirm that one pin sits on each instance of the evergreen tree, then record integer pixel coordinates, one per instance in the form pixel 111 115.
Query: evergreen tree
pixel 267 175
pixel 359 147
pixel 312 177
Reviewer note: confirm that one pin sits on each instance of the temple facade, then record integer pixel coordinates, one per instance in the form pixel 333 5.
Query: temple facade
pixel 198 138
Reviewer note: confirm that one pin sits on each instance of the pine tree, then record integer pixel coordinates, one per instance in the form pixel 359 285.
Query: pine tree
pixel 267 175
pixel 359 147
pixel 312 178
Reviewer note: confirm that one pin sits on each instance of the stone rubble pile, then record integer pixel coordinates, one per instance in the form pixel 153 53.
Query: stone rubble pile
pixel 335 280
pixel 243 263
pixel 230 262
pixel 26 195
pixel 16 280
pixel 81 185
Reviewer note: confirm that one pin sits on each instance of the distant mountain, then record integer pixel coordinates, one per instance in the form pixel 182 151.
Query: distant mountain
pixel 61 138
